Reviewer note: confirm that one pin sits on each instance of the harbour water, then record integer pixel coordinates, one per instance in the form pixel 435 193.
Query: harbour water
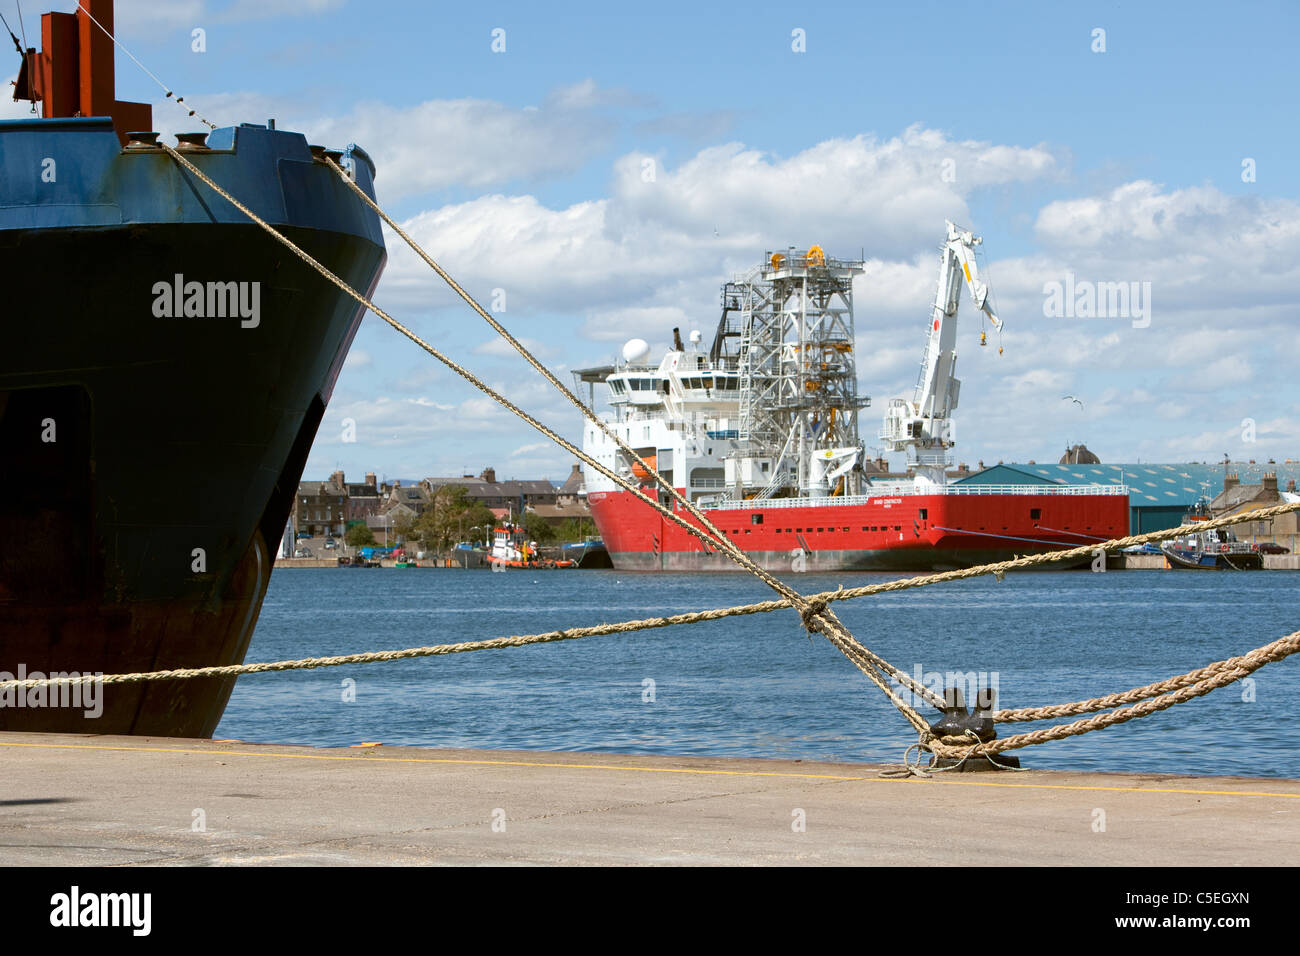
pixel 757 686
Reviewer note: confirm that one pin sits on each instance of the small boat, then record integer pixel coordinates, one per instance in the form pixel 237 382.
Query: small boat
pixel 590 553
pixel 512 549
pixel 1216 549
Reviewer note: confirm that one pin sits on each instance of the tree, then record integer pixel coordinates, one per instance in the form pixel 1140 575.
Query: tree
pixel 577 529
pixel 358 535
pixel 402 526
pixel 537 529
pixel 478 516
pixel 450 516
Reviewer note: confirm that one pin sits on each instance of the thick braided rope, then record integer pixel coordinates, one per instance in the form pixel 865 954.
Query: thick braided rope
pixel 999 568
pixel 1253 659
pixel 1239 667
pixel 796 600
pixel 1276 651
pixel 371 657
pixel 717 537
pixel 815 615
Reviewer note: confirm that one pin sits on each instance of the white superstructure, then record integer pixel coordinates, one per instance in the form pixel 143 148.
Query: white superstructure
pixel 769 410
pixel 681 416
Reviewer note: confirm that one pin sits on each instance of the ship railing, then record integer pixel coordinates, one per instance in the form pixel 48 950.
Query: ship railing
pixel 972 489
pixel 841 501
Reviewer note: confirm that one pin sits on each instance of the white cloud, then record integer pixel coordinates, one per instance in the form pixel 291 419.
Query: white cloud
pixel 434 144
pixel 659 250
pixel 500 348
pixel 889 192
pixel 471 143
pixel 357 359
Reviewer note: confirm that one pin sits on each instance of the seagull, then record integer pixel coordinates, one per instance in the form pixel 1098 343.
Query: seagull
pixel 1071 398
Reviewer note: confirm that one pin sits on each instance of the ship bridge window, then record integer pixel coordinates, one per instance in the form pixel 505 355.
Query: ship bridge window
pixel 642 384
pixel 616 386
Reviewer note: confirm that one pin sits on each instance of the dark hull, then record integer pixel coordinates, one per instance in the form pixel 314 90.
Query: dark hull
pixel 177 438
pixel 1191 560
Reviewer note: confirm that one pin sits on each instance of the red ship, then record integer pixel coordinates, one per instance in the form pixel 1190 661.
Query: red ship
pixel 761 432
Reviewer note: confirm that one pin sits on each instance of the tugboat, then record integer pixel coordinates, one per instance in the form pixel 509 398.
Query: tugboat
pixel 512 549
pixel 1214 550
pixel 164 368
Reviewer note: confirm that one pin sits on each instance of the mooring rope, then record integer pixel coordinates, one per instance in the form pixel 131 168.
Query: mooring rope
pixel 1164 694
pixel 814 610
pixel 1235 668
pixel 816 617
pixel 874 667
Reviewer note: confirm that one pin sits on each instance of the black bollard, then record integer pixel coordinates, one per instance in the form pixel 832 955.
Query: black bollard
pixel 958 722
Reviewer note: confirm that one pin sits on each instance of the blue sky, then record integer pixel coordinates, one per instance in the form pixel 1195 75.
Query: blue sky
pixel 521 171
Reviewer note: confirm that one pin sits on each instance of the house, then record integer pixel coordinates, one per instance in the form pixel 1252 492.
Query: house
pixel 320 507
pixel 362 498
pixel 502 497
pixel 569 501
pixel 412 498
pixel 1237 498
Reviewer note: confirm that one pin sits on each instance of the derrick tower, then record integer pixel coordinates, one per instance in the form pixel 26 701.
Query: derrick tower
pixel 799 397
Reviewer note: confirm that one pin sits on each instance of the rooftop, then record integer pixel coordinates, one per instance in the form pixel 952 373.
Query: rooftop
pixel 1151 484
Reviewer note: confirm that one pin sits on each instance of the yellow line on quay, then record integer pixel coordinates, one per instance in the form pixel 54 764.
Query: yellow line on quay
pixel 942 781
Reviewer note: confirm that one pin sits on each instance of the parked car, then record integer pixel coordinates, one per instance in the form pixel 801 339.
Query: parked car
pixel 330 544
pixel 302 553
pixel 1268 547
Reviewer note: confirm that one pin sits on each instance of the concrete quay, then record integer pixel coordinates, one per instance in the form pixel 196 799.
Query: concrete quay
pixel 124 801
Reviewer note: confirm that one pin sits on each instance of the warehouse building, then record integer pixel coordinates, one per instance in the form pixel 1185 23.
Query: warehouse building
pixel 1159 495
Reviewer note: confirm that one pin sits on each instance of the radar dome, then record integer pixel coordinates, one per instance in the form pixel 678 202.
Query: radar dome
pixel 636 351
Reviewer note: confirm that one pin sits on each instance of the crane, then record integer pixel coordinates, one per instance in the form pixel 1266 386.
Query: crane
pixel 923 427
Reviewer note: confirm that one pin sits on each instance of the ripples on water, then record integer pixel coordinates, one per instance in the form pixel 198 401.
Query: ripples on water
pixel 756 686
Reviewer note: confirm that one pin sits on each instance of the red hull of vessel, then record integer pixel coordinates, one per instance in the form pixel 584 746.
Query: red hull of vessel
pixel 898 533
